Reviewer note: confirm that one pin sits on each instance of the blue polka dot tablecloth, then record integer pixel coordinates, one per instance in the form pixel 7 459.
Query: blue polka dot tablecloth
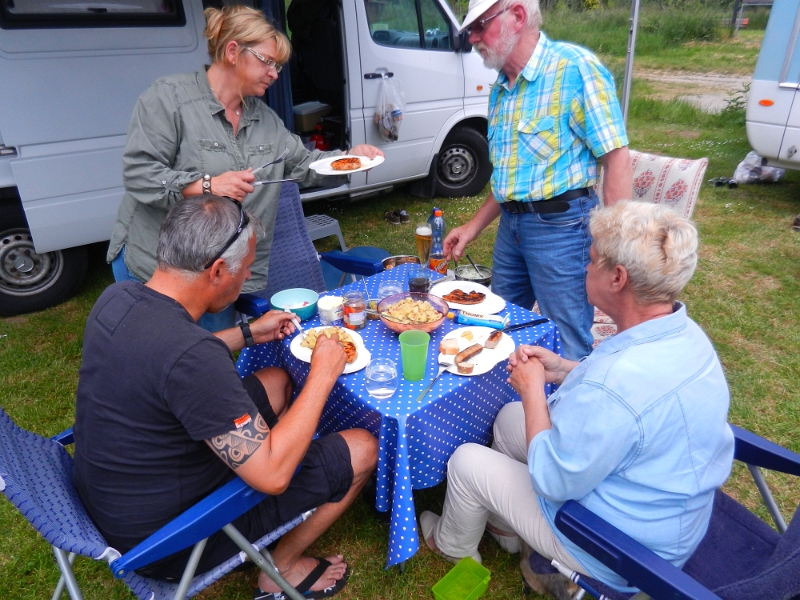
pixel 416 439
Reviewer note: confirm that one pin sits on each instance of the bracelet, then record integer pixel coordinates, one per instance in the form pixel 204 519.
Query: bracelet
pixel 247 334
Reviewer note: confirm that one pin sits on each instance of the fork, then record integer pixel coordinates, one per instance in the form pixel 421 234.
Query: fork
pixel 443 364
pixel 273 162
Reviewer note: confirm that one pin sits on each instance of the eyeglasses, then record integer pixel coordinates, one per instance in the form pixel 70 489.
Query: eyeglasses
pixel 479 26
pixel 267 61
pixel 244 220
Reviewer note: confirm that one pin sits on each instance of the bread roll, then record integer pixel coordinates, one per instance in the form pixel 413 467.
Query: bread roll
pixel 448 346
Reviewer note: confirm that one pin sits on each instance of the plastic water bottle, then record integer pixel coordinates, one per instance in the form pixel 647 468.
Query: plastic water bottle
pixel 437 260
pixel 433 216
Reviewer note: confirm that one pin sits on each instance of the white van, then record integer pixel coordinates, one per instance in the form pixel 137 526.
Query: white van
pixel 72 70
pixel 773 104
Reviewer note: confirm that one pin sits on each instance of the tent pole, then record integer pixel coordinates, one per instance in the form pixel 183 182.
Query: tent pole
pixel 633 25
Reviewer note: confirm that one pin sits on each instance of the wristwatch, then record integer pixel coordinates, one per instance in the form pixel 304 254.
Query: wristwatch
pixel 247 334
pixel 207 183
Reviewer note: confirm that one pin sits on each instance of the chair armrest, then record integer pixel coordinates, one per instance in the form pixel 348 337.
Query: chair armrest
pixel 65 438
pixel 754 450
pixel 627 557
pixel 348 263
pixel 250 304
pixel 200 521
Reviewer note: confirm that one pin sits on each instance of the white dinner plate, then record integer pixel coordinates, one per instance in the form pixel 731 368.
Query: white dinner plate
pixel 361 361
pixel 490 305
pixel 487 358
pixel 323 166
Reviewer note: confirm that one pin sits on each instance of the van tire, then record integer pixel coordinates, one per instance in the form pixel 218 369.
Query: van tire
pixel 463 167
pixel 46 279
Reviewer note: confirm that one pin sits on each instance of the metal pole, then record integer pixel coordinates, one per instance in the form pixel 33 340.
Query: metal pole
pixel 633 25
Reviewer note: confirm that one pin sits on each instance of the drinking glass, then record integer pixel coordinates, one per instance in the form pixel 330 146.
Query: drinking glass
pixel 381 378
pixel 423 235
pixel 420 280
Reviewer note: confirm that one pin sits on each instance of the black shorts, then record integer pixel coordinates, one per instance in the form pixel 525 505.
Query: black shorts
pixel 325 475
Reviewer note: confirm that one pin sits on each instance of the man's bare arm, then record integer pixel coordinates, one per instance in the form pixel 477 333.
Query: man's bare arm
pixel 617 176
pixel 238 445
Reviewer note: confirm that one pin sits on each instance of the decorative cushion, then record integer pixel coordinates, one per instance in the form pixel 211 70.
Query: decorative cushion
pixel 664 180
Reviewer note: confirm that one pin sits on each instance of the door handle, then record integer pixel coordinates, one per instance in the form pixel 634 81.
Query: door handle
pixel 378 75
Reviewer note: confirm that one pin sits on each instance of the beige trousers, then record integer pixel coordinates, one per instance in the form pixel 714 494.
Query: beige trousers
pixel 493 484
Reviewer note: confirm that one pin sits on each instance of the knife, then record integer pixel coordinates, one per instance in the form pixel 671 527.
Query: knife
pixel 508 328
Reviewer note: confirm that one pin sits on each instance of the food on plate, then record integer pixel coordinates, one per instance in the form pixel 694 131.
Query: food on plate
pixel 466 367
pixel 410 311
pixel 468 354
pixel 467 335
pixel 311 337
pixel 493 339
pixel 458 296
pixel 350 351
pixel 350 163
pixel 448 346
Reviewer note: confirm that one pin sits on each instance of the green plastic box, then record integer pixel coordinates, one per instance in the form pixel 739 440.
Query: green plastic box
pixel 468 580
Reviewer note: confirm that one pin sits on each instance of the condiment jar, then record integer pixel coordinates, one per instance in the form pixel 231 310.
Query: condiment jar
pixel 331 310
pixel 355 313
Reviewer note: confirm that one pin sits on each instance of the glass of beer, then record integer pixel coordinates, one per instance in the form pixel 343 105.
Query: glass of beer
pixel 423 236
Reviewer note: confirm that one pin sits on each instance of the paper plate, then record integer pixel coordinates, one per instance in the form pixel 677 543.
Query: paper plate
pixel 486 359
pixel 323 166
pixel 490 305
pixel 361 361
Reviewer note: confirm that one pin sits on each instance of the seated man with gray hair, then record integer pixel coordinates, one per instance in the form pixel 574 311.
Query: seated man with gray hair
pixel 637 431
pixel 163 419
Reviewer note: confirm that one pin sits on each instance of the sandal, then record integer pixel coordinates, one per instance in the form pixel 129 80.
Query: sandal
pixel 392 216
pixel 304 587
pixel 404 217
pixel 427 523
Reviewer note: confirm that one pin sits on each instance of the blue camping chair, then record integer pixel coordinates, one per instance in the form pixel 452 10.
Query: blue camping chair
pixel 36 475
pixel 740 557
pixel 294 262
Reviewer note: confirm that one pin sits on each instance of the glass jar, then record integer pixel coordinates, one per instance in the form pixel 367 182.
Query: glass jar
pixel 355 313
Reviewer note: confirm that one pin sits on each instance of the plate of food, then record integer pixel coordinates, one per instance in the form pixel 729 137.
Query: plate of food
pixel 466 295
pixel 344 165
pixel 475 350
pixel 358 356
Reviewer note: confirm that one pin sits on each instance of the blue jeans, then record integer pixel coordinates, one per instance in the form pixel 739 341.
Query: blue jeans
pixel 543 257
pixel 224 319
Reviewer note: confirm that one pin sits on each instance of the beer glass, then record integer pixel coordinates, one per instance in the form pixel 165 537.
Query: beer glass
pixel 423 236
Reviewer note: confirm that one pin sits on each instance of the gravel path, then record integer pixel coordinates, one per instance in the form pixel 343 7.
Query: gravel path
pixel 708 91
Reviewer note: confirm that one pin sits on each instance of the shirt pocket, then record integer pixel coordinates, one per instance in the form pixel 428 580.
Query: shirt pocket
pixel 537 137
pixel 214 157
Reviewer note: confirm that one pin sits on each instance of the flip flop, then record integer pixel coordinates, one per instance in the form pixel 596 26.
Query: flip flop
pixel 304 587
pixel 392 216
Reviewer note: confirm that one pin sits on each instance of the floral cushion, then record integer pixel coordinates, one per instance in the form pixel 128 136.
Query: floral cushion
pixel 664 180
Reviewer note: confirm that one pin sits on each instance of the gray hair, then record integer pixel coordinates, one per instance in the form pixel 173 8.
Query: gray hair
pixel 656 245
pixel 531 9
pixel 197 228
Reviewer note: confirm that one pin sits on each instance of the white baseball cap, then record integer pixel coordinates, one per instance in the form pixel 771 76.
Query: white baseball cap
pixel 476 9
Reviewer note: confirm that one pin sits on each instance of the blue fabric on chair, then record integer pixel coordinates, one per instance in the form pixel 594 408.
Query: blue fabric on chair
pixel 740 558
pixel 36 475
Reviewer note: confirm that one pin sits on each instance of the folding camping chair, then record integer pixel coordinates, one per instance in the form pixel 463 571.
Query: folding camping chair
pixel 36 475
pixel 740 557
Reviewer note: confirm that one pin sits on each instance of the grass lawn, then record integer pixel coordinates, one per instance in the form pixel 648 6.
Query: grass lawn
pixel 745 295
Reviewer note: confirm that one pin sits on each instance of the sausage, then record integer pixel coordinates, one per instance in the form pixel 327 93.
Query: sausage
pixel 468 353
pixel 493 339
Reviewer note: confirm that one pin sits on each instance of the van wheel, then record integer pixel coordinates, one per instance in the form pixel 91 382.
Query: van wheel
pixel 463 168
pixel 31 281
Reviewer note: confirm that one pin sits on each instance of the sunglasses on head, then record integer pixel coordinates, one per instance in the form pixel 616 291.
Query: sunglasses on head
pixel 479 26
pixel 244 220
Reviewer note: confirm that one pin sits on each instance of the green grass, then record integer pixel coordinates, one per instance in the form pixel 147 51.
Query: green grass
pixel 745 295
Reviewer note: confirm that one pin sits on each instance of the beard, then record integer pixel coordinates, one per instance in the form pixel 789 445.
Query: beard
pixel 495 58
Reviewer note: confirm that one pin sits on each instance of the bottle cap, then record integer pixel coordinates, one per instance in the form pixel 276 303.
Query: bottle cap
pixel 438 212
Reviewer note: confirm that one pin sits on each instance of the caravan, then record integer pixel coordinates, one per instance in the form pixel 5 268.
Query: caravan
pixel 72 70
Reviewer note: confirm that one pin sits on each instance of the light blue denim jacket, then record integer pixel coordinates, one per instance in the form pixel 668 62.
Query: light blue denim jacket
pixel 640 437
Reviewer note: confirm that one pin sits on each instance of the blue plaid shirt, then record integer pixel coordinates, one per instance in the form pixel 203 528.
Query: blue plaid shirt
pixel 548 130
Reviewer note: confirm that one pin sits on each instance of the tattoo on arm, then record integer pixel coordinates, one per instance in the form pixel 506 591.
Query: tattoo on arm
pixel 236 446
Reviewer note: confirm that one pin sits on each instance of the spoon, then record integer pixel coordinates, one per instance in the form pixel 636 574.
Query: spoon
pixel 273 162
pixel 443 365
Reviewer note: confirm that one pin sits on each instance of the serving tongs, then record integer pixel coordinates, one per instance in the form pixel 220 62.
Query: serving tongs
pixel 272 162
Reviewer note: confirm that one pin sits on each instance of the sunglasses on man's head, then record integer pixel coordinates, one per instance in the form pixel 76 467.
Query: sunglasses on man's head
pixel 479 26
pixel 244 220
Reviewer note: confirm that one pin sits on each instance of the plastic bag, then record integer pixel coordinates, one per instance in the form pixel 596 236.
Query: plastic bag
pixel 752 170
pixel 389 109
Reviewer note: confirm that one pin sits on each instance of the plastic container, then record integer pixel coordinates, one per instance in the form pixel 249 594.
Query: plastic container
pixel 437 260
pixel 308 114
pixel 468 580
pixel 331 310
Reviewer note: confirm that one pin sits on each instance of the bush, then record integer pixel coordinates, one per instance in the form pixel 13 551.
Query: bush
pixel 680 26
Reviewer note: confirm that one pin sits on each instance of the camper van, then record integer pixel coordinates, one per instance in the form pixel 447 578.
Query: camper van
pixel 773 106
pixel 72 70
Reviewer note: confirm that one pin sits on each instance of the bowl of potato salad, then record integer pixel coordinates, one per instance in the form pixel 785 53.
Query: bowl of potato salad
pixel 411 310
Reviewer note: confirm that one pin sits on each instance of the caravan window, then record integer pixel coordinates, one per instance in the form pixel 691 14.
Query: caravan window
pixel 400 23
pixel 36 14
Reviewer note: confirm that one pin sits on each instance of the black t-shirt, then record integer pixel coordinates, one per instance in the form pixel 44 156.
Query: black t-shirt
pixel 153 386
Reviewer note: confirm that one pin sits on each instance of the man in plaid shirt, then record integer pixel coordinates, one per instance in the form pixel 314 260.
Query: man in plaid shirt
pixel 553 116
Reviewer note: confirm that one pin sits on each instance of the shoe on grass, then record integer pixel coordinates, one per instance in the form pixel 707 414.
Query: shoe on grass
pixel 392 216
pixel 404 218
pixel 796 224
pixel 427 523
pixel 507 541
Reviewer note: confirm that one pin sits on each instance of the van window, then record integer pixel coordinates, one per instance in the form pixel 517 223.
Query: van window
pixel 35 14
pixel 399 23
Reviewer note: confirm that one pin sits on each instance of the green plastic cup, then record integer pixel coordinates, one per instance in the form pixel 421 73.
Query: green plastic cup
pixel 414 353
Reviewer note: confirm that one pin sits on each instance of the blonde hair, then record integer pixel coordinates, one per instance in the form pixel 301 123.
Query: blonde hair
pixel 243 25
pixel 656 245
